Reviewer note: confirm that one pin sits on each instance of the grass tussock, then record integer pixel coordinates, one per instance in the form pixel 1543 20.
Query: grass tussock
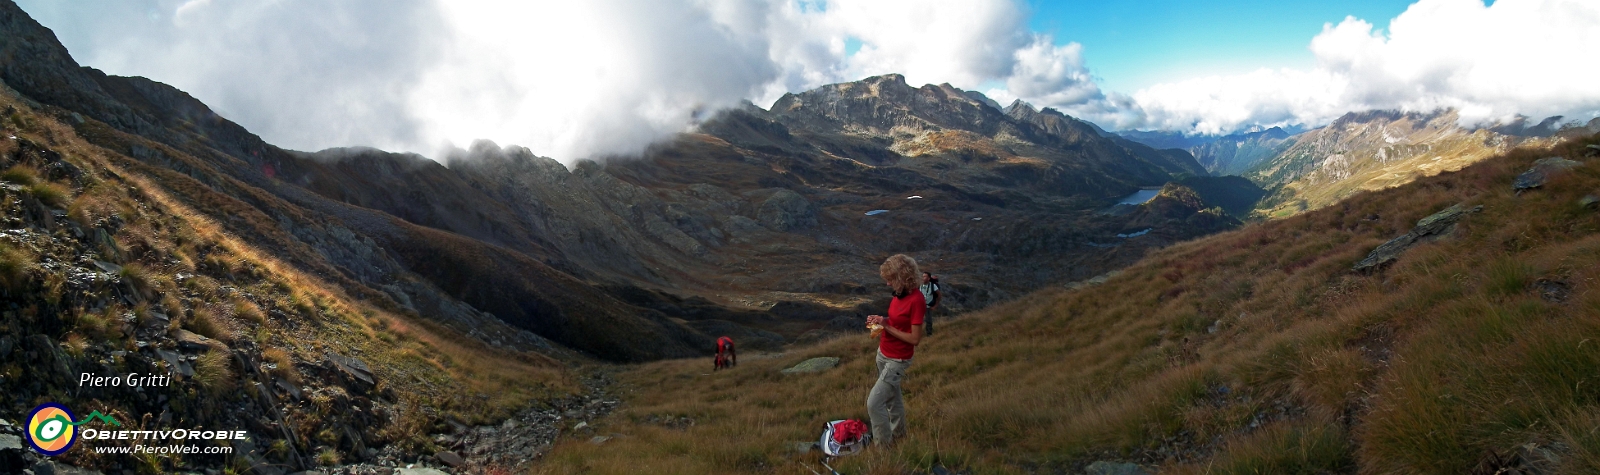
pixel 206 323
pixel 1253 351
pixel 282 364
pixel 14 265
pixel 50 194
pixel 20 175
pixel 214 371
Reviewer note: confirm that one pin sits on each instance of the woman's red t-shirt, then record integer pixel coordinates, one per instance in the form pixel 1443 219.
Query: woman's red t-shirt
pixel 904 313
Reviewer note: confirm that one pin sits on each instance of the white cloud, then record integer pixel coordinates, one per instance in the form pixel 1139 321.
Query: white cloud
pixel 1528 57
pixel 605 77
pixel 566 79
pixel 303 74
pixel 589 78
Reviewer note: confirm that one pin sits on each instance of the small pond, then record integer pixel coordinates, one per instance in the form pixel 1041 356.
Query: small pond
pixel 1139 197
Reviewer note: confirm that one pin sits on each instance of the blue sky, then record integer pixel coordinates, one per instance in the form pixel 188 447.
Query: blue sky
pixel 1133 45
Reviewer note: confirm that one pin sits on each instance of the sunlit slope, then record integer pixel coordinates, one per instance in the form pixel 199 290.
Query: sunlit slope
pixel 1254 351
pixel 1373 150
pixel 109 266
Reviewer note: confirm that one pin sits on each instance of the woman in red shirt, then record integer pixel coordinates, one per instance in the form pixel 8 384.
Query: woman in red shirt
pixel 902 330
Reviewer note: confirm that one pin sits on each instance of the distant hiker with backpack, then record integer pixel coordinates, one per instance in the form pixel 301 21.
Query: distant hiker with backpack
pixel 930 294
pixel 726 358
pixel 902 330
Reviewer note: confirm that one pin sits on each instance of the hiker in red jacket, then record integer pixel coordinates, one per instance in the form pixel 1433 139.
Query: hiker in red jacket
pixel 725 355
pixel 902 330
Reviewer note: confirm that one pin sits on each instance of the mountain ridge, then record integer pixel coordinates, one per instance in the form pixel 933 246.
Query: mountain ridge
pixel 732 216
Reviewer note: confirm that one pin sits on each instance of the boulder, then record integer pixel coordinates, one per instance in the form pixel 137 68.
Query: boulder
pixel 108 267
pixel 13 457
pixel 1553 291
pixel 355 369
pixel 190 341
pixel 419 471
pixel 156 320
pixel 814 365
pixel 176 363
pixel 1114 468
pixel 1429 228
pixel 450 458
pixel 288 388
pixel 1542 171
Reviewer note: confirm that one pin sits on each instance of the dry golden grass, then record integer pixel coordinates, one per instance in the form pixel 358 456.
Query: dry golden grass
pixel 1446 359
pixel 453 370
pixel 20 175
pixel 289 314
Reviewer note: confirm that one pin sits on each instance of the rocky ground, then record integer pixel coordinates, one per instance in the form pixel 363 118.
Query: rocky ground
pixel 507 447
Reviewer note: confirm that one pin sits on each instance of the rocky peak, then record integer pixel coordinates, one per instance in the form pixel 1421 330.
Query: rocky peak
pixel 33 62
pixel 881 103
pixel 1378 117
pixel 1051 122
pixel 1020 110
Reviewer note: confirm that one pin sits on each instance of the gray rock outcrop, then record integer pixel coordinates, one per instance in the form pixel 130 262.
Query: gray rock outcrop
pixel 1114 468
pixel 1542 171
pixel 814 365
pixel 1427 229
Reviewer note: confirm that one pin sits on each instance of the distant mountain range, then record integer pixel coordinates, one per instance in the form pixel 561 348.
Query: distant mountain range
pixel 1220 155
pixel 1359 151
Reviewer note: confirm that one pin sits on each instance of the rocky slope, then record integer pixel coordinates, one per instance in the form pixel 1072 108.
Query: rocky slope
pixel 105 273
pixel 1360 151
pixel 642 258
pixel 1374 150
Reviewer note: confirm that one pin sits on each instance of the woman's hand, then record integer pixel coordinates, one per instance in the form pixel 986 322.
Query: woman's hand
pixel 874 319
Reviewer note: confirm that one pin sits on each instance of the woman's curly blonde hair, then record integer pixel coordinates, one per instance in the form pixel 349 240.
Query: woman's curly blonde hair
pixel 900 271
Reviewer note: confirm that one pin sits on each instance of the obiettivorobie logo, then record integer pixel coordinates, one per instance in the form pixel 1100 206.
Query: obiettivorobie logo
pixel 52 430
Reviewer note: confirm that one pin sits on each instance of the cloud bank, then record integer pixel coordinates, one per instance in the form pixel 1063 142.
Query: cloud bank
pixel 1527 57
pixel 608 77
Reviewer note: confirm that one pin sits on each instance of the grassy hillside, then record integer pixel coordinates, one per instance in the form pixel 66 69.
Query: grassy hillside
pixel 105 268
pixel 1252 351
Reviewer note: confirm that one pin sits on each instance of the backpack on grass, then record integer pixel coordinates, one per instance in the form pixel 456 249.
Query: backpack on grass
pixel 844 437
